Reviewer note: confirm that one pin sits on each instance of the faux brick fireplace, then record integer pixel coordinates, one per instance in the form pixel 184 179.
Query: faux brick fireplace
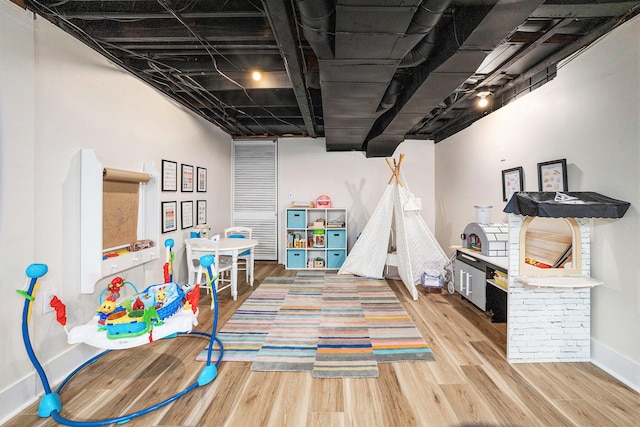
pixel 549 309
pixel 548 323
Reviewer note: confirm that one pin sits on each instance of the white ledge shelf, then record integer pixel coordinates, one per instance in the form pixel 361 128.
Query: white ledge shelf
pixel 498 285
pixel 559 281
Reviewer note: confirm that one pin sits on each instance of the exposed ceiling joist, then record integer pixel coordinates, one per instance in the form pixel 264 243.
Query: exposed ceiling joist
pixel 363 75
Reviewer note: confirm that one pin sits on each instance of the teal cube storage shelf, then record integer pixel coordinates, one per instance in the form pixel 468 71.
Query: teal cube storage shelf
pixel 335 258
pixel 336 239
pixel 296 259
pixel 315 233
pixel 296 218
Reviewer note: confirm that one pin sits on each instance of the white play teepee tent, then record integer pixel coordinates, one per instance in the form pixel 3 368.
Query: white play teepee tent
pixel 417 249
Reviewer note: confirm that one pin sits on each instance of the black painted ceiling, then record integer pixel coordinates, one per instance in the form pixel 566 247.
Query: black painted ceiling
pixel 363 74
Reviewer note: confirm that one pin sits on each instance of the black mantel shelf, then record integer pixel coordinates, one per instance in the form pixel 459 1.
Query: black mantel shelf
pixel 583 204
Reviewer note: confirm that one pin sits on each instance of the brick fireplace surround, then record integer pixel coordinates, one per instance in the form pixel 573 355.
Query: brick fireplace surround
pixel 549 312
pixel 548 324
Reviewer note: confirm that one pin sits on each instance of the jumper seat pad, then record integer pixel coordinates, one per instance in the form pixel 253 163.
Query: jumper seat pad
pixel 157 312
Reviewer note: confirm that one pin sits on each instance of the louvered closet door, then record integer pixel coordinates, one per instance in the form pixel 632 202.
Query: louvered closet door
pixel 255 172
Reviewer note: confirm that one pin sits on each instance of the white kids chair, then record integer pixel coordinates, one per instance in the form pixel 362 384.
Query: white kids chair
pixel 197 247
pixel 245 257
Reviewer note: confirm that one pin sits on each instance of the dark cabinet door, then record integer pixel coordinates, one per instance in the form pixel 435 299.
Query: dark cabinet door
pixel 497 304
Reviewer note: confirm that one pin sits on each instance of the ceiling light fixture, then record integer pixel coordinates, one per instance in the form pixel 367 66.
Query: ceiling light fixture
pixel 256 75
pixel 483 102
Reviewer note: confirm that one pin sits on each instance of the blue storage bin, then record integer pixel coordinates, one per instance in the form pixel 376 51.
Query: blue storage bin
pixel 296 259
pixel 335 259
pixel 296 219
pixel 336 239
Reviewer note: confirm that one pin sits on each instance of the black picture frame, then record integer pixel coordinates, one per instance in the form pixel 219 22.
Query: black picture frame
pixel 187 178
pixel 186 213
pixel 169 175
pixel 512 182
pixel 552 175
pixel 202 180
pixel 169 212
pixel 201 212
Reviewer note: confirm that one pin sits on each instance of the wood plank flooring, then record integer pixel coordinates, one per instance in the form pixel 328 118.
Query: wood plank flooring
pixel 469 384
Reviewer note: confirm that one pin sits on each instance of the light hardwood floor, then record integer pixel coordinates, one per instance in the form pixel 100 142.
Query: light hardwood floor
pixel 470 383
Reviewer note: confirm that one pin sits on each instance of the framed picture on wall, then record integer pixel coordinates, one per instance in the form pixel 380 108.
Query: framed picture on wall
pixel 186 209
pixel 169 216
pixel 187 177
pixel 552 176
pixel 202 180
pixel 512 181
pixel 201 207
pixel 169 175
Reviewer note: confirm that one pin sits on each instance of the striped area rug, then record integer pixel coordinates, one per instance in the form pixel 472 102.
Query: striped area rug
pixel 334 326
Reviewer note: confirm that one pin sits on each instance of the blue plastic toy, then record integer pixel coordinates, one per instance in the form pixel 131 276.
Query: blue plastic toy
pixel 51 402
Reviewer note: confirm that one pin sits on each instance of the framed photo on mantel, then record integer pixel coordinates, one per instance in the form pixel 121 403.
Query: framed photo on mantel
pixel 552 176
pixel 512 182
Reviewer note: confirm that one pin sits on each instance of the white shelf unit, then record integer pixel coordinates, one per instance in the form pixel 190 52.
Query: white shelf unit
pixel 304 248
pixel 92 266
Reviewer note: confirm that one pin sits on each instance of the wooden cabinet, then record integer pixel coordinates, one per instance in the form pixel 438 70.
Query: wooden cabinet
pixel 316 238
pixel 471 280
pixel 474 280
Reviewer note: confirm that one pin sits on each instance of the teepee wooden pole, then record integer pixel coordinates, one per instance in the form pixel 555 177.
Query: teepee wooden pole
pixel 392 170
pixel 395 170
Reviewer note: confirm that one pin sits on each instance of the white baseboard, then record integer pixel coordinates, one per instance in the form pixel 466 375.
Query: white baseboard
pixel 615 364
pixel 17 397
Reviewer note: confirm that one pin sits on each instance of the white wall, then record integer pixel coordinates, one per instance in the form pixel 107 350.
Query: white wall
pixel 351 180
pixel 56 97
pixel 590 115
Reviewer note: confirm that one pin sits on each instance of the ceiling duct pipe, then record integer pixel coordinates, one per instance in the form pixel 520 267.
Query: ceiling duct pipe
pixel 420 52
pixel 424 20
pixel 427 16
pixel 318 25
pixel 391 95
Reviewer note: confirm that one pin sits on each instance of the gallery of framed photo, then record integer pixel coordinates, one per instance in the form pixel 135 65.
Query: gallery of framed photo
pixel 186 209
pixel 552 176
pixel 202 180
pixel 202 212
pixel 169 216
pixel 512 182
pixel 169 175
pixel 187 178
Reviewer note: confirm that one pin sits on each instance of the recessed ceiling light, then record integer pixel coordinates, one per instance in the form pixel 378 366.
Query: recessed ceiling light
pixel 256 75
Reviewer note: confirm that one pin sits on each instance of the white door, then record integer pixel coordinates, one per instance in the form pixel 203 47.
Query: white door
pixel 255 189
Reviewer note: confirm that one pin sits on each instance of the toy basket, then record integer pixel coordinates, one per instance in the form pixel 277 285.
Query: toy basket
pixel 323 201
pixel 432 281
